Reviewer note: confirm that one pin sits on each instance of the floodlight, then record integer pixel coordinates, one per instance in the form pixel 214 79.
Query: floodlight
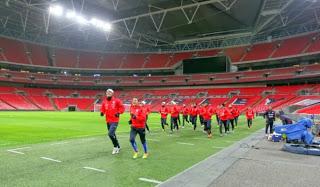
pixel 81 20
pixel 107 27
pixel 96 22
pixel 56 10
pixel 71 14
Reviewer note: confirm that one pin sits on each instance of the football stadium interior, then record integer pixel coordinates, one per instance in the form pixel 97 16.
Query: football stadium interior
pixel 58 58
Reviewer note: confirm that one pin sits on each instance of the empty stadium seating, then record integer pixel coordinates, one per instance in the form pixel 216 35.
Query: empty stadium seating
pixel 80 103
pixel 66 58
pixel 14 51
pixel 309 71
pixel 89 60
pixel 17 102
pixel 314 109
pixel 36 99
pixel 42 102
pixel 292 46
pixel 38 55
pixel 259 51
pixel 25 53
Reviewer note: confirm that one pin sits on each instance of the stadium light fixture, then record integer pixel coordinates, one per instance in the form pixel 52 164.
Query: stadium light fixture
pixel 101 24
pixel 107 27
pixel 56 10
pixel 71 14
pixel 81 20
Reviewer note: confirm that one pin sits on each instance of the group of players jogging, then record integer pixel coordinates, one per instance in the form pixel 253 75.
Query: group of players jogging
pixel 111 108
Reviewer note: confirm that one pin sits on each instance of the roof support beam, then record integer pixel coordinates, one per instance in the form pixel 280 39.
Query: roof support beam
pixel 272 17
pixel 190 20
pixel 167 10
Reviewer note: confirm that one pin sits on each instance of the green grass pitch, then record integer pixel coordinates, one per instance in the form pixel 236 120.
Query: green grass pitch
pixel 78 140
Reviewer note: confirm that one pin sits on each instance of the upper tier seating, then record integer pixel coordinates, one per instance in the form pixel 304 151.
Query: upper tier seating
pixel 14 51
pixel 25 53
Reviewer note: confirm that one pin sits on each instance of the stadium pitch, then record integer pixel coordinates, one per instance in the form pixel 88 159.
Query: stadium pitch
pixel 72 149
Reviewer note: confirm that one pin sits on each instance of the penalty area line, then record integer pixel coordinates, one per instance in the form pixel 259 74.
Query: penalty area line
pixel 153 140
pixel 150 180
pixel 18 152
pixel 183 143
pixel 50 159
pixel 94 169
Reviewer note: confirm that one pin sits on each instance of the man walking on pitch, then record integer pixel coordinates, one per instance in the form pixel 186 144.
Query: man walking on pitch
pixel 207 113
pixel 174 116
pixel 249 116
pixel 138 124
pixel 236 113
pixel 223 116
pixel 185 112
pixel 164 113
pixel 112 108
pixel 194 114
pixel 270 117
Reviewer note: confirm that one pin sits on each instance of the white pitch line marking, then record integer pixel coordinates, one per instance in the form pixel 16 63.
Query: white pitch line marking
pixel 95 169
pixel 153 140
pixel 216 147
pixel 20 148
pixel 59 143
pixel 18 152
pixel 150 180
pixel 200 138
pixel 53 160
pixel 183 143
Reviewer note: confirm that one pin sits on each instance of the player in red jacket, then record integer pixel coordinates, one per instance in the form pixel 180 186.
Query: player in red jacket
pixel 111 108
pixel 164 110
pixel 236 113
pixel 174 116
pixel 147 110
pixel 185 113
pixel 223 116
pixel 138 124
pixel 217 112
pixel 194 113
pixel 230 118
pixel 249 116
pixel 207 113
pixel 200 115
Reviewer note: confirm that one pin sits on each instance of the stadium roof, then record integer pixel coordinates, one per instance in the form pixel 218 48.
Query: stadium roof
pixel 158 25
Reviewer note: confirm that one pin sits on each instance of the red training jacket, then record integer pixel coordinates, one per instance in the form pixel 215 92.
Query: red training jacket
pixel 194 111
pixel 111 108
pixel 140 117
pixel 174 111
pixel 164 111
pixel 207 112
pixel 185 110
pixel 250 114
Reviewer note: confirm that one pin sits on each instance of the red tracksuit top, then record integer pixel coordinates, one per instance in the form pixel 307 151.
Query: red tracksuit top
pixel 250 114
pixel 185 111
pixel 164 111
pixel 207 112
pixel 111 108
pixel 223 114
pixel 200 110
pixel 140 117
pixel 229 113
pixel 235 112
pixel 146 109
pixel 174 111
pixel 194 111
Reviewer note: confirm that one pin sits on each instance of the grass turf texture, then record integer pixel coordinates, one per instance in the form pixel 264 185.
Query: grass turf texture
pixel 79 140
